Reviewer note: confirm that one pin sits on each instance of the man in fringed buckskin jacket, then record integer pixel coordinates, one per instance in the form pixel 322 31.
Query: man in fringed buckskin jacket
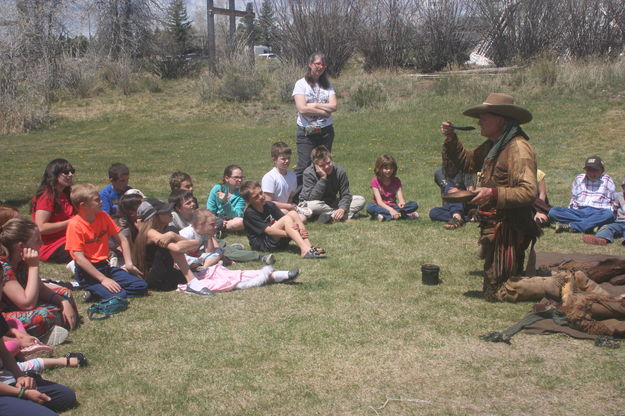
pixel 506 167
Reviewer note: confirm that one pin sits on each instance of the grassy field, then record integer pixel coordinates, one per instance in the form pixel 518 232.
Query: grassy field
pixel 358 327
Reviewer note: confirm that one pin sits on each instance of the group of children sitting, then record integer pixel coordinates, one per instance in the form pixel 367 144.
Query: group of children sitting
pixel 122 243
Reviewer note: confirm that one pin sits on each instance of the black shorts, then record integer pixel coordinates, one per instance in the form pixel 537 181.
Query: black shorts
pixel 269 244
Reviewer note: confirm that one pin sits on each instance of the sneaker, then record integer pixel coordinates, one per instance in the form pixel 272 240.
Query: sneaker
pixel 413 215
pixel 89 297
pixel 56 336
pixel 353 216
pixel 293 273
pixel 237 246
pixel 305 211
pixel 591 239
pixel 202 292
pixel 324 218
pixel 380 217
pixel 268 259
pixel 562 228
pixel 71 267
pixel 37 350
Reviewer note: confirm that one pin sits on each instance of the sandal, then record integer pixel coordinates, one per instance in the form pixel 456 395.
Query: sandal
pixel 82 360
pixel 314 254
pixel 454 223
pixel 318 249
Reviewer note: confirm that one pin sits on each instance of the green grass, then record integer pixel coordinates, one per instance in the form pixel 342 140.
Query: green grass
pixel 356 328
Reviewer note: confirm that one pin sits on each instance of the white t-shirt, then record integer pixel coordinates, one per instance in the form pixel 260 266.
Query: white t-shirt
pixel 190 234
pixel 313 95
pixel 281 186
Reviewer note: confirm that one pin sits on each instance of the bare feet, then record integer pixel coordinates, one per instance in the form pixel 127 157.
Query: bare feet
pixel 591 239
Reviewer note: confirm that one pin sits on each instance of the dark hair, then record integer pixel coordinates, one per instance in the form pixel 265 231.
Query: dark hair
pixel 177 178
pixel 228 170
pixel 127 204
pixel 280 149
pixel 118 169
pixel 323 78
pixel 247 188
pixel 384 161
pixel 48 183
pixel 178 197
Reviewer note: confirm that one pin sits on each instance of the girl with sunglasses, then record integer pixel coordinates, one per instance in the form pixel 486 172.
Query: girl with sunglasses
pixel 51 210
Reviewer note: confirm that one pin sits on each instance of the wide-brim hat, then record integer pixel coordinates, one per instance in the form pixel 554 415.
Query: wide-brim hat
pixel 502 105
pixel 151 207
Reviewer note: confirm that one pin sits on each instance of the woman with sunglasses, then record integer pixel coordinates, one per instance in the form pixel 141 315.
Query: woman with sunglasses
pixel 315 101
pixel 51 210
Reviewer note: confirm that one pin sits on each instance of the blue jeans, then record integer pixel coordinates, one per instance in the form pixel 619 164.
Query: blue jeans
pixel 131 284
pixel 582 219
pixel 62 397
pixel 305 144
pixel 447 211
pixel 612 231
pixel 375 209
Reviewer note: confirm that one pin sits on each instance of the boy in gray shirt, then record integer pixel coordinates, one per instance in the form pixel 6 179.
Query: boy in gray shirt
pixel 325 189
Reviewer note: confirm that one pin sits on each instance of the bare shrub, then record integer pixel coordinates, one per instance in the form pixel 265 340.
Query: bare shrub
pixel 441 38
pixel 208 86
pixel 173 67
pixel 386 33
pixel 282 78
pixel 236 79
pixel 121 75
pixel 530 28
pixel 125 27
pixel 308 26
pixel 367 94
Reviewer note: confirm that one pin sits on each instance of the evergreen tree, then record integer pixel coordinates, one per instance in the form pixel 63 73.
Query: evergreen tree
pixel 178 26
pixel 266 24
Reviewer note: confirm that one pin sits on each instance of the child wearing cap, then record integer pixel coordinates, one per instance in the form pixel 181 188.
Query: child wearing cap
pixel 609 232
pixel 592 196
pixel 156 251
pixel 87 242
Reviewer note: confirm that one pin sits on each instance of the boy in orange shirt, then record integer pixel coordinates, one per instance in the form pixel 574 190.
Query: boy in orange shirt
pixel 87 242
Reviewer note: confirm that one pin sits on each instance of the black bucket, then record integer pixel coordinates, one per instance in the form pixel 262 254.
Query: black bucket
pixel 429 274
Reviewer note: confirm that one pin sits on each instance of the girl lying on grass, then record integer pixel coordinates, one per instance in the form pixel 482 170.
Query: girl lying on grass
pixel 388 194
pixel 206 262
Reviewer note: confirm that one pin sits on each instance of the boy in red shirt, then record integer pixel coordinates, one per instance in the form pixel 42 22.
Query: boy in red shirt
pixel 87 241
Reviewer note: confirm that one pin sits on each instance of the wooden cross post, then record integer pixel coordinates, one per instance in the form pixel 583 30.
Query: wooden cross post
pixel 211 11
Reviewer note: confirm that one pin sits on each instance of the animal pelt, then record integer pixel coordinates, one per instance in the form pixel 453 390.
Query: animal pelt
pixel 593 313
pixel 600 272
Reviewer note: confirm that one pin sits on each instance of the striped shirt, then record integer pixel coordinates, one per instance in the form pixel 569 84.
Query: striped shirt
pixel 596 194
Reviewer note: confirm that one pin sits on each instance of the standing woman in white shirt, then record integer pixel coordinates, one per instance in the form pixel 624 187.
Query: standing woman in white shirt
pixel 315 101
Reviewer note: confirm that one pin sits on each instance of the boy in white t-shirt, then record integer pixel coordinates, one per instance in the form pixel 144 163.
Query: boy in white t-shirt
pixel 279 184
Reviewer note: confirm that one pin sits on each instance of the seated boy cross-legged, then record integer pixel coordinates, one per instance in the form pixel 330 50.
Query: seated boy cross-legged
pixel 326 189
pixel 87 241
pixel 269 229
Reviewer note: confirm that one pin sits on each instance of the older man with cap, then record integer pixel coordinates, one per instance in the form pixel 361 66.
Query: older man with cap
pixel 506 168
pixel 592 197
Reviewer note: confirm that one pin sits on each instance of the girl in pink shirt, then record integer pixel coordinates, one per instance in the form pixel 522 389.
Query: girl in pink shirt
pixel 388 196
